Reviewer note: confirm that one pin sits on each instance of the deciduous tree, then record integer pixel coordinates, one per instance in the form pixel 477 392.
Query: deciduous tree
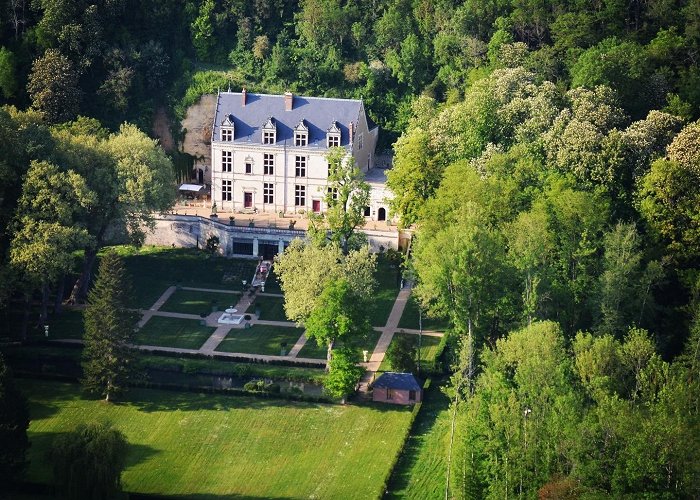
pixel 53 87
pixel 88 462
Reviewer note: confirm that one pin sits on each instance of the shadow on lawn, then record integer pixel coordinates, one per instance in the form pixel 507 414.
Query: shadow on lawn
pixel 41 443
pixel 163 400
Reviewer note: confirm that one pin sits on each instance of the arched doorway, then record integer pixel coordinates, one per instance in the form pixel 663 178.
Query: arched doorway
pixel 200 176
pixel 381 214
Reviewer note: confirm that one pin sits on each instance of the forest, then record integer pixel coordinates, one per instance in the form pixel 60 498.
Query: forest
pixel 547 154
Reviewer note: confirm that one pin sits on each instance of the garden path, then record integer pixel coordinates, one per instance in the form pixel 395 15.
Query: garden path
pixel 388 331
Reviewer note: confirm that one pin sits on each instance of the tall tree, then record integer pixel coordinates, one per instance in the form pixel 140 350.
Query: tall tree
pixel 88 462
pixel 337 316
pixel 53 87
pixel 344 373
pixel 346 198
pixel 14 421
pixel 304 269
pixel 109 329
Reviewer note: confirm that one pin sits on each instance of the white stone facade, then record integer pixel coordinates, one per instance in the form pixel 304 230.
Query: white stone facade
pixel 268 152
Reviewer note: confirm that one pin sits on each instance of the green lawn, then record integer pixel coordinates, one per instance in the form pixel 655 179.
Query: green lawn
pixel 173 332
pixel 312 350
pixel 420 472
pixel 153 269
pixel 428 351
pixel 271 308
pixel 388 280
pixel 195 302
pixel 260 339
pixel 206 446
pixel 272 285
pixel 409 319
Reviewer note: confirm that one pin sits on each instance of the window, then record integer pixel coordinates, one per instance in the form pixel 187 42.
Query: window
pixel 226 134
pixel 268 164
pixel 333 140
pixel 333 192
pixel 226 190
pixel 268 136
pixel 300 166
pixel 330 169
pixel 226 161
pixel 301 138
pixel 359 141
pixel 268 193
pixel 299 196
pixel 248 167
pixel 411 395
pixel 367 212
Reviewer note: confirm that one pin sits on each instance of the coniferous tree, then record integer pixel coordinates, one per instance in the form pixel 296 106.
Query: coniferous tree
pixel 109 327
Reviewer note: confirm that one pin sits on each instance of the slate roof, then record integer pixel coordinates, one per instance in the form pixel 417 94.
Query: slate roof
pixel 394 380
pixel 318 114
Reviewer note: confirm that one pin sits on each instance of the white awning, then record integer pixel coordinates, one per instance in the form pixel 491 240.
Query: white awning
pixel 195 188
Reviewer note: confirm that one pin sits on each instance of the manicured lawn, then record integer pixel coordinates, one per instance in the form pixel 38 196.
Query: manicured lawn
pixel 409 319
pixel 428 351
pixel 173 332
pixel 388 280
pixel 153 269
pixel 196 302
pixel 207 446
pixel 312 350
pixel 260 339
pixel 420 472
pixel 271 308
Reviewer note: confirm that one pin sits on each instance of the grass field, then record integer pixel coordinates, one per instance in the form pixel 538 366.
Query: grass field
pixel 420 472
pixel 428 351
pixel 312 350
pixel 271 308
pixel 173 332
pixel 67 325
pixel 196 302
pixel 260 339
pixel 409 319
pixel 207 447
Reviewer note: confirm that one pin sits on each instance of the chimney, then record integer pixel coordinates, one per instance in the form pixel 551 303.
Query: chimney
pixel 351 131
pixel 244 95
pixel 288 101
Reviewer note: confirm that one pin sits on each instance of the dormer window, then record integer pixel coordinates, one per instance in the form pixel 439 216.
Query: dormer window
pixel 333 136
pixel 301 134
pixel 269 131
pixel 227 129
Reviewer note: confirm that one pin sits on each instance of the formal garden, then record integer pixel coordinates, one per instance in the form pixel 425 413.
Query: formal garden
pixel 194 429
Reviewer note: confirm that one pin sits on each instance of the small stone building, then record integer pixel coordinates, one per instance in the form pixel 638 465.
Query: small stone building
pixel 397 388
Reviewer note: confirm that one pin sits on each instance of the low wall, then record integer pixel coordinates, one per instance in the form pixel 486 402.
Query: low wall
pixel 193 231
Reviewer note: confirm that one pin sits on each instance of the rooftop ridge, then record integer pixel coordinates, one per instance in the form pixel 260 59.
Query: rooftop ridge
pixel 297 95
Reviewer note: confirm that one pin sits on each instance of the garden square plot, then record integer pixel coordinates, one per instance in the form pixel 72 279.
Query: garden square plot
pixel 198 302
pixel 260 339
pixel 154 269
pixel 173 332
pixel 409 319
pixel 388 277
pixel 428 350
pixel 271 308
pixel 312 350
pixel 190 445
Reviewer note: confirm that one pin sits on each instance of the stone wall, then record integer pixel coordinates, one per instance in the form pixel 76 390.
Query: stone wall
pixel 194 231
